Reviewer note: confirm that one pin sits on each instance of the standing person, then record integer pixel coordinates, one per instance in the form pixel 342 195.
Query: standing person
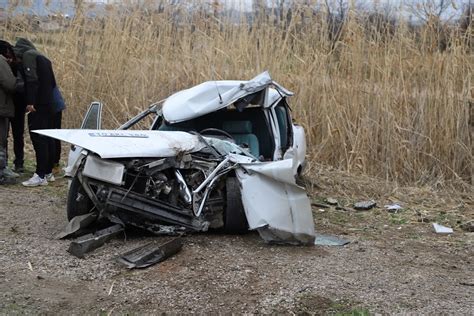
pixel 7 87
pixel 18 121
pixel 39 84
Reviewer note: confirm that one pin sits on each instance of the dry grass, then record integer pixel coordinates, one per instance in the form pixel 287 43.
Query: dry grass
pixel 389 105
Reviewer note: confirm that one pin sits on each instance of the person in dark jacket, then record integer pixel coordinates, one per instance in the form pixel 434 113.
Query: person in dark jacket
pixel 39 85
pixel 17 123
pixel 7 111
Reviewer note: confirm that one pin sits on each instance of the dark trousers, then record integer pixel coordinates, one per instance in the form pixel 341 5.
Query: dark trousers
pixel 57 144
pixel 3 143
pixel 43 145
pixel 18 129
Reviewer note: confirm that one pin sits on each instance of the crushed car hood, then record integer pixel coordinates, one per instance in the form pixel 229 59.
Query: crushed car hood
pixel 211 96
pixel 128 144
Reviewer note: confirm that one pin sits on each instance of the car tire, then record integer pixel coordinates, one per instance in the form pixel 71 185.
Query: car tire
pixel 235 221
pixel 75 207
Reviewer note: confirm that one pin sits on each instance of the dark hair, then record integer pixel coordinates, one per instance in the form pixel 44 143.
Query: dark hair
pixel 6 49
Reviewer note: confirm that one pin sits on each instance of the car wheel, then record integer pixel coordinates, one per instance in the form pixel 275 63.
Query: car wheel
pixel 78 203
pixel 235 220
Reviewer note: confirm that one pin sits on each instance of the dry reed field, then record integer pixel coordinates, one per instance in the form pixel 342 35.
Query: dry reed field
pixel 380 99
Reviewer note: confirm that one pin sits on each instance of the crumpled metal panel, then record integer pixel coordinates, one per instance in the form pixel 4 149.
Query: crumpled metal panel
pixel 211 96
pixel 128 144
pixel 274 205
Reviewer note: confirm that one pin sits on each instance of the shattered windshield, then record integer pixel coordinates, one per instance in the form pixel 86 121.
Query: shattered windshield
pixel 225 147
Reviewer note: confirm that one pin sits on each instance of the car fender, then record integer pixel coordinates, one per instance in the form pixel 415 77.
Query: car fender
pixel 274 204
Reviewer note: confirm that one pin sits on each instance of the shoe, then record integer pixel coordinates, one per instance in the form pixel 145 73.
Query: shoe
pixel 50 177
pixel 7 180
pixel 7 172
pixel 35 181
pixel 19 169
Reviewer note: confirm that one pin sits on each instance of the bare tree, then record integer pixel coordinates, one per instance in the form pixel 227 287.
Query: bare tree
pixel 336 18
pixel 428 9
pixel 466 26
pixel 466 22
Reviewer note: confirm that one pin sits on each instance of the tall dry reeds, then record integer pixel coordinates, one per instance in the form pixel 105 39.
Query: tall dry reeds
pixel 386 102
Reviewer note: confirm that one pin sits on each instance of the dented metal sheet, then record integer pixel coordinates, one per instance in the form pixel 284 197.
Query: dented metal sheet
pixel 125 144
pixel 276 206
pixel 211 96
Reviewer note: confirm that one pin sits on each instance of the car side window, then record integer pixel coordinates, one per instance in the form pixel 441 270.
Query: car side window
pixel 92 119
pixel 284 124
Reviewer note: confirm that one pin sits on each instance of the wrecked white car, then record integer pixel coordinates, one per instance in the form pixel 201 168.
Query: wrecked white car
pixel 221 155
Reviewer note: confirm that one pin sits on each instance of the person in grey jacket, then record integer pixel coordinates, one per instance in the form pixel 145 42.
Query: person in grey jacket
pixel 7 108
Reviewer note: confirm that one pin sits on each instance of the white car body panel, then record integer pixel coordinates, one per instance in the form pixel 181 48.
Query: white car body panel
pixel 128 144
pixel 211 96
pixel 298 151
pixel 104 170
pixel 274 205
pixel 75 158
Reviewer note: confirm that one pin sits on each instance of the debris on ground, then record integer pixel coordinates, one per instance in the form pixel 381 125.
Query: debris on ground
pixel 77 224
pixel 89 242
pixel 150 254
pixel 440 229
pixel 393 208
pixel 331 201
pixel 365 205
pixel 328 240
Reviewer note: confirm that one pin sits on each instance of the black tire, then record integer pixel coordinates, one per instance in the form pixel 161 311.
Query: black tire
pixel 78 203
pixel 235 221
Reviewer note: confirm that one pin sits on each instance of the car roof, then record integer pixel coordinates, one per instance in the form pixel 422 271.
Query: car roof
pixel 211 96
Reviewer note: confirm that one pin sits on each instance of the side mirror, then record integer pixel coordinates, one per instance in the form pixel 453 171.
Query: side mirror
pixel 93 117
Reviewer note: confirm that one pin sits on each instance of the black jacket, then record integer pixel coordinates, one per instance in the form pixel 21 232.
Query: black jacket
pixel 43 98
pixel 39 76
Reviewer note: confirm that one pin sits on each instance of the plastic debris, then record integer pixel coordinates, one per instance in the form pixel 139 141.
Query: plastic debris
pixel 393 208
pixel 328 240
pixel 365 205
pixel 76 224
pixel 150 254
pixel 89 242
pixel 331 201
pixel 440 229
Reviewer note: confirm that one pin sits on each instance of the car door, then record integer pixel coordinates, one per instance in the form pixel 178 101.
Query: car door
pixel 290 137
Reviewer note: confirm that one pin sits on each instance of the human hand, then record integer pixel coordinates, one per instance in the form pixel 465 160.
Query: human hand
pixel 30 108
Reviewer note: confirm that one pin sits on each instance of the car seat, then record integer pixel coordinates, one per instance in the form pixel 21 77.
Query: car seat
pixel 241 131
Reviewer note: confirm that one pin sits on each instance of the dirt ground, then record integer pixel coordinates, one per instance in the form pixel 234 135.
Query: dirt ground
pixel 395 263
